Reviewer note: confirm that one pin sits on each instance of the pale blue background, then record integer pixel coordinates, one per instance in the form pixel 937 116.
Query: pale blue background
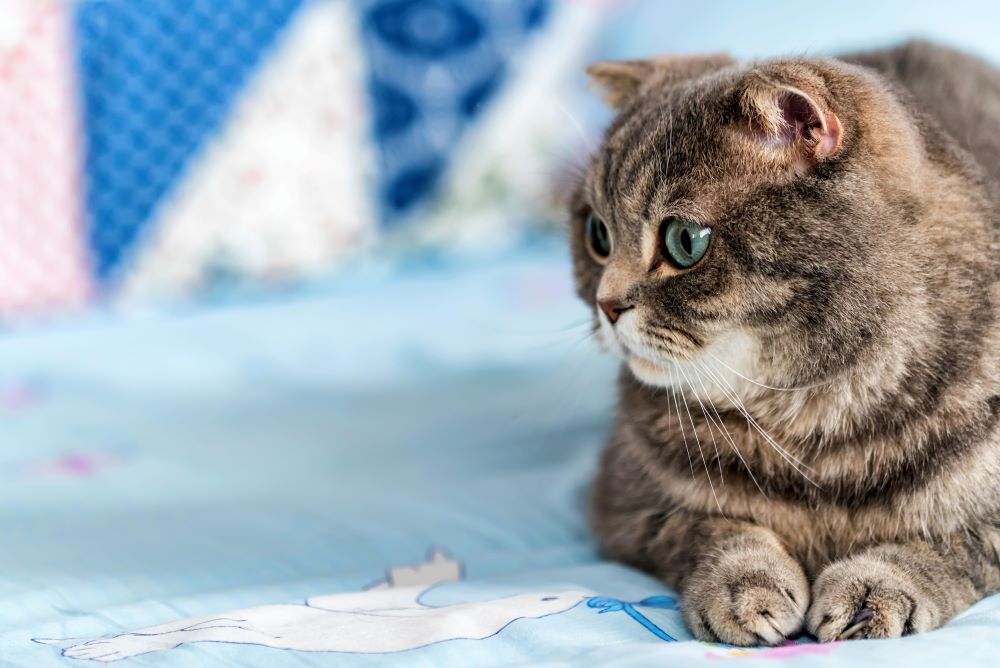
pixel 754 29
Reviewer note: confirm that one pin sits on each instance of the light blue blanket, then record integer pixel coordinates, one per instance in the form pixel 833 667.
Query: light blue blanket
pixel 387 470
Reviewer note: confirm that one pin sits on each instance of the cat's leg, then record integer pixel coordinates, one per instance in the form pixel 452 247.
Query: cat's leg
pixel 896 589
pixel 737 582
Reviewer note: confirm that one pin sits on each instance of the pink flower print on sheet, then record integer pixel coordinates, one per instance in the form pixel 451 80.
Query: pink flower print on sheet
pixel 21 396
pixel 71 465
pixel 789 650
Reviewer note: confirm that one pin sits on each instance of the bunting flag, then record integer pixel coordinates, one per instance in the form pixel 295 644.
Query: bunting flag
pixel 164 148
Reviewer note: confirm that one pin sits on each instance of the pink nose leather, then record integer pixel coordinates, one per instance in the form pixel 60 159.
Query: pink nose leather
pixel 613 309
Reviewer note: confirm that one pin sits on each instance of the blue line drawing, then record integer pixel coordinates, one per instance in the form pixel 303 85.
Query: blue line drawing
pixel 607 604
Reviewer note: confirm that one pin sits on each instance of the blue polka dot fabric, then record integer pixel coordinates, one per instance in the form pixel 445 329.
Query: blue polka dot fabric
pixel 157 80
pixel 434 64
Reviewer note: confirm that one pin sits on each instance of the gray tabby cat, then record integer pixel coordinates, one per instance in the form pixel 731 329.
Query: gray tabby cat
pixel 798 262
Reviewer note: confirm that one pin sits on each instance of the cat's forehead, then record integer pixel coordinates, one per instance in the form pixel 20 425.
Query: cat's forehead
pixel 665 155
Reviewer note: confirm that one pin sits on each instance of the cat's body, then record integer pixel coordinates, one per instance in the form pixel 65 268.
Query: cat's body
pixel 960 92
pixel 855 254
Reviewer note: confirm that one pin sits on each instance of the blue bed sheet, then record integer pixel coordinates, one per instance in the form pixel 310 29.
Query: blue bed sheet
pixel 389 470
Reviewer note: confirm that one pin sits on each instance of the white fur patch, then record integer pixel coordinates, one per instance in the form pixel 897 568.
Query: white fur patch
pixel 720 372
pixel 730 361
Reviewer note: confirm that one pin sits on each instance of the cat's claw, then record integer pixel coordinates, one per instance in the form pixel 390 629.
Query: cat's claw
pixel 859 622
pixel 747 599
pixel 853 600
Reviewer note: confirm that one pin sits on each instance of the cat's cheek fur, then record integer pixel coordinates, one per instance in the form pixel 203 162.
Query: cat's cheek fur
pixel 730 360
pixel 717 373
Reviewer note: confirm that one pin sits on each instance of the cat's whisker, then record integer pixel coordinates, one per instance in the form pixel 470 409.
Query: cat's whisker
pixel 765 386
pixel 580 339
pixel 711 432
pixel 797 464
pixel 730 392
pixel 543 331
pixel 670 146
pixel 694 430
pixel 567 339
pixel 588 140
pixel 680 422
pixel 567 386
pixel 566 345
pixel 728 436
pixel 563 388
pixel 567 336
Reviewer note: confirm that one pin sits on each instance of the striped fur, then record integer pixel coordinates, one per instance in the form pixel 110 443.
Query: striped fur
pixel 848 303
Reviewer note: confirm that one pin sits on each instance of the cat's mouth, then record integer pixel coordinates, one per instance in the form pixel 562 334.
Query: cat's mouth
pixel 653 358
pixel 662 347
pixel 655 353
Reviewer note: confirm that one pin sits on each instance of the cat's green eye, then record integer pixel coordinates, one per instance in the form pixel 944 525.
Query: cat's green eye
pixel 598 239
pixel 685 242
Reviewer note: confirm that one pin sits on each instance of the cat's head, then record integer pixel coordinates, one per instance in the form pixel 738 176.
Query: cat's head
pixel 749 218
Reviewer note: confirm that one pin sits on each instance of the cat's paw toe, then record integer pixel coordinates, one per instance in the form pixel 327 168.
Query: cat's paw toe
pixel 747 600
pixel 867 598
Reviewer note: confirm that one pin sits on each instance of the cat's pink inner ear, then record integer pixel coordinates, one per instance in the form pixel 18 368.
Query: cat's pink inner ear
pixel 786 116
pixel 805 120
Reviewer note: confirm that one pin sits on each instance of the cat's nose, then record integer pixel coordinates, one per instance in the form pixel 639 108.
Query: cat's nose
pixel 613 308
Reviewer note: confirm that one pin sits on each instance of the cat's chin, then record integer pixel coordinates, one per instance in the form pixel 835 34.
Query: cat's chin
pixel 650 372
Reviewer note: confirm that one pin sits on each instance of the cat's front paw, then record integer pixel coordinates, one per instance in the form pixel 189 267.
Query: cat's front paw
pixel 746 597
pixel 868 597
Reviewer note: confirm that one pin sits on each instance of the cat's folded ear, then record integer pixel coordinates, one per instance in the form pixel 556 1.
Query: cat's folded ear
pixel 621 80
pixel 791 114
